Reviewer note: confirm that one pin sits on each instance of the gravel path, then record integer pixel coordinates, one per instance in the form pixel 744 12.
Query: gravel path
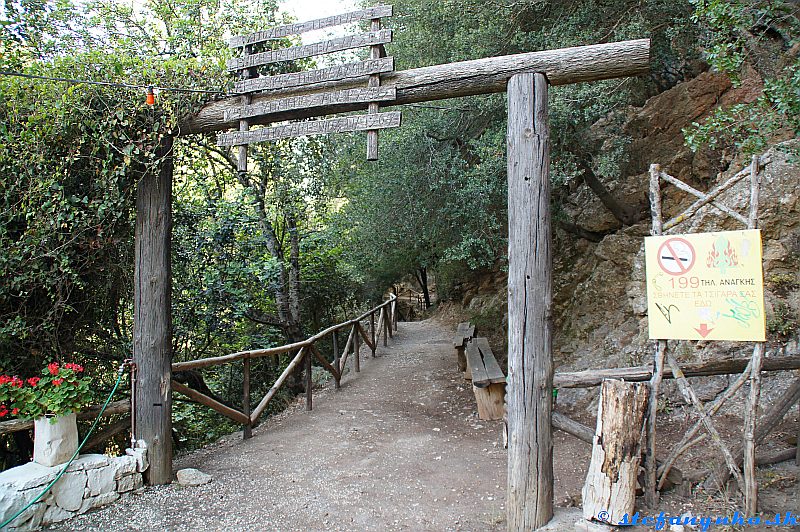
pixel 398 447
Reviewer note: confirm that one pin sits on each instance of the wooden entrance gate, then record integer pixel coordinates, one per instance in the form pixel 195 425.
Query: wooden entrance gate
pixel 527 78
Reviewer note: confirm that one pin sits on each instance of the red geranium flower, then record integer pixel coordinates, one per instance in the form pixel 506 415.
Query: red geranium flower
pixel 16 382
pixel 15 411
pixel 57 382
pixel 3 411
pixel 53 368
pixel 4 379
pixel 77 368
pixel 33 381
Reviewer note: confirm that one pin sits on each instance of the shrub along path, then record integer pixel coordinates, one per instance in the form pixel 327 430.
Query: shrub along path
pixel 398 447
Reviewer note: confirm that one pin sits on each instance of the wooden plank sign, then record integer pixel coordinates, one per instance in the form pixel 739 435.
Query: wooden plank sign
pixel 312 25
pixel 320 75
pixel 313 100
pixel 309 50
pixel 313 127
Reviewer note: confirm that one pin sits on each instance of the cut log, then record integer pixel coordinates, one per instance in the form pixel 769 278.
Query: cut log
pixel 466 78
pixel 610 487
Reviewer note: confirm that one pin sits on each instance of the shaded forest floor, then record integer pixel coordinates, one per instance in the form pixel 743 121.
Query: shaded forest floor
pixel 398 447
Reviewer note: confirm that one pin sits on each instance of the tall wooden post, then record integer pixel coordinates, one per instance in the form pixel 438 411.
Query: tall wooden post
pixel 530 294
pixel 152 318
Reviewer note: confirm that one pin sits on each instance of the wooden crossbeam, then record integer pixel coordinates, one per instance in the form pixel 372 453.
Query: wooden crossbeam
pixel 312 127
pixel 301 27
pixel 310 50
pixel 365 95
pixel 213 404
pixel 466 78
pixel 319 75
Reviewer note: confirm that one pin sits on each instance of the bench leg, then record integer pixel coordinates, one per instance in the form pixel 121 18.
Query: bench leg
pixel 491 401
pixel 462 359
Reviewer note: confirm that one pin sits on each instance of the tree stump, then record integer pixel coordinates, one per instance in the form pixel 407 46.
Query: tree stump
pixel 610 489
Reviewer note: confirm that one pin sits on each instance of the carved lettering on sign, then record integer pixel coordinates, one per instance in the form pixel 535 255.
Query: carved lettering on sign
pixel 312 127
pixel 310 50
pixel 311 25
pixel 313 100
pixel 336 73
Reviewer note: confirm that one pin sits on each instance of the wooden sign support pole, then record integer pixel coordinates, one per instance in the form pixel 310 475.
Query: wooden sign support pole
pixel 374 81
pixel 530 294
pixel 152 319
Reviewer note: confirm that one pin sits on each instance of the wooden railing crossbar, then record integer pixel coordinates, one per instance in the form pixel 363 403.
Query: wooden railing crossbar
pixel 306 352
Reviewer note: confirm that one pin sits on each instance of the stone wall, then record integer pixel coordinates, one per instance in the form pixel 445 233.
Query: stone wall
pixel 91 481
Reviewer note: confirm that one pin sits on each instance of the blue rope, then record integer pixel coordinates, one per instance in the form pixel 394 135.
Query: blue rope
pixel 74 456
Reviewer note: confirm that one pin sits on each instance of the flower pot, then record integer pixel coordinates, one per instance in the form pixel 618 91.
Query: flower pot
pixel 55 440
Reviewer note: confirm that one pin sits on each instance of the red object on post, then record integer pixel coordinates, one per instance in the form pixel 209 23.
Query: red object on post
pixel 151 96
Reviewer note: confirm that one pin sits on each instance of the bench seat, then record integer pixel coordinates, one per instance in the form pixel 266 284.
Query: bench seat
pixel 488 380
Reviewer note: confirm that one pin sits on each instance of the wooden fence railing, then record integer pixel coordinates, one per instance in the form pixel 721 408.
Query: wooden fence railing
pixel 379 321
pixel 385 314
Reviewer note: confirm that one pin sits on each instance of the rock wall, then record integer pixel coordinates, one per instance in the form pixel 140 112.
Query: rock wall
pixel 91 481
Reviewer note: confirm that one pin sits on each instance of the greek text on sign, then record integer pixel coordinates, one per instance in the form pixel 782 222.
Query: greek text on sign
pixel 705 286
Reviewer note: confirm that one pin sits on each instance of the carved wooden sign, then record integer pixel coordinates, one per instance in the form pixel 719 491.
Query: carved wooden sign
pixel 311 127
pixel 248 66
pixel 319 75
pixel 312 25
pixel 310 50
pixel 323 99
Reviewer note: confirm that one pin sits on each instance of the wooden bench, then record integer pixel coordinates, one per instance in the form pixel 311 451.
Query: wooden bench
pixel 464 332
pixel 488 380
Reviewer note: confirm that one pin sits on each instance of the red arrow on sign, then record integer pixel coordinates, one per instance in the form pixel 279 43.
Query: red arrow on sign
pixel 703 330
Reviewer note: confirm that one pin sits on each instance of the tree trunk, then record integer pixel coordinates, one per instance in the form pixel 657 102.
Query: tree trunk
pixel 422 277
pixel 152 321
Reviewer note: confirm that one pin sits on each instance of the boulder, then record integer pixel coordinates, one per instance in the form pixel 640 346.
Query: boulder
pixel 192 477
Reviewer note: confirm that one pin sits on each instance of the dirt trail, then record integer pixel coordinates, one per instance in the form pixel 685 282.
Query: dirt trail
pixel 398 447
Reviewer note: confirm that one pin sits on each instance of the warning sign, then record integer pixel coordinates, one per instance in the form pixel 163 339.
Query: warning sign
pixel 676 256
pixel 705 286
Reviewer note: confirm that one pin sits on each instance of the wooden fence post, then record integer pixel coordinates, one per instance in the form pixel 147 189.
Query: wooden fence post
pixel 152 320
pixel 248 429
pixel 750 487
pixel 309 377
pixel 530 294
pixel 372 332
pixel 356 348
pixel 336 360
pixel 651 470
pixel 384 318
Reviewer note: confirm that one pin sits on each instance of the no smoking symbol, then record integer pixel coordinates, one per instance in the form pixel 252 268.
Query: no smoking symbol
pixel 676 256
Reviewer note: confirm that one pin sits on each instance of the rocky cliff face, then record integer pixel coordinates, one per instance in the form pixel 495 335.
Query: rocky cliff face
pixel 600 292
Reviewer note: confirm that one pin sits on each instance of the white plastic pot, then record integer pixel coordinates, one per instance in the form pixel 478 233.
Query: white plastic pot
pixel 55 440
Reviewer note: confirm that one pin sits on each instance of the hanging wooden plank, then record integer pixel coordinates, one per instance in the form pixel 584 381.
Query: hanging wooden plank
pixel 310 50
pixel 313 127
pixel 319 75
pixel 308 101
pixel 280 32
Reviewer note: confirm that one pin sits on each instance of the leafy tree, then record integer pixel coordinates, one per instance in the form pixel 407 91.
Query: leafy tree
pixel 751 33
